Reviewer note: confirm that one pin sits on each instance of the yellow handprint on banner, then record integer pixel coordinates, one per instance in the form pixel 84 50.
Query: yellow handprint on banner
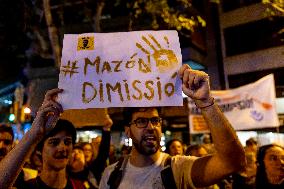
pixel 165 58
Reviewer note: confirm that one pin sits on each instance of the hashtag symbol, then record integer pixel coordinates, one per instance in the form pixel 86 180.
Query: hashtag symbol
pixel 68 69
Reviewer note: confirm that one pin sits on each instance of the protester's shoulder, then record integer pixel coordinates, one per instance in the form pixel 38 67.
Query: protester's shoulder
pixel 182 168
pixel 181 159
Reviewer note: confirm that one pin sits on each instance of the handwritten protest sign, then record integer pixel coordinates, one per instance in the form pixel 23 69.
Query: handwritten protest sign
pixel 127 69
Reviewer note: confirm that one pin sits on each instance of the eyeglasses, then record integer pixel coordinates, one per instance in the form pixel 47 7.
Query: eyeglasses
pixel 143 122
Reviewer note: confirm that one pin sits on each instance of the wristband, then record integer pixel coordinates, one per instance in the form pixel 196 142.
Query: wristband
pixel 206 106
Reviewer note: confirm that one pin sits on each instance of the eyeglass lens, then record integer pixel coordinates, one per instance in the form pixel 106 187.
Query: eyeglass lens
pixel 142 122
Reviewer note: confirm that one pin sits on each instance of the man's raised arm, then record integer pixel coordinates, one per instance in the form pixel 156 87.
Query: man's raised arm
pixel 44 122
pixel 229 156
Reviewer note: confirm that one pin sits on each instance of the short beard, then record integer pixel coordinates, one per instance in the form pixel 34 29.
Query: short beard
pixel 139 147
pixel 143 151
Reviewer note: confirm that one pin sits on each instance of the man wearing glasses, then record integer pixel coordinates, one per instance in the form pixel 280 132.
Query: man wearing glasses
pixel 6 140
pixel 142 169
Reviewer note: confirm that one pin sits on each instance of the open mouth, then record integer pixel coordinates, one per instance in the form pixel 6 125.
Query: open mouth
pixel 150 140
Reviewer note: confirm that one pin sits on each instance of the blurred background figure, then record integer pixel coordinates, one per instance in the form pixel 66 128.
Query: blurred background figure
pixel 174 147
pixel 270 167
pixel 251 145
pixel 125 150
pixel 112 155
pixel 35 161
pixel 196 150
pixel 86 170
pixel 207 143
pixel 6 140
pixel 199 151
pixel 96 144
pixel 251 164
pixel 78 169
pixel 88 152
pixel 33 166
pixel 77 161
pixel 246 179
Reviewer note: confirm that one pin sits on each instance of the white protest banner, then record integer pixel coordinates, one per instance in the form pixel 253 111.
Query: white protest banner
pixel 127 69
pixel 251 106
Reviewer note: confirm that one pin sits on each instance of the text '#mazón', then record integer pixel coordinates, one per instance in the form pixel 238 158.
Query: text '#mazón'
pixel 116 66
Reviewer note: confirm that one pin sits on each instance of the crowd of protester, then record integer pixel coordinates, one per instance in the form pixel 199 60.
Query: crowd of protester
pixel 48 157
pixel 264 169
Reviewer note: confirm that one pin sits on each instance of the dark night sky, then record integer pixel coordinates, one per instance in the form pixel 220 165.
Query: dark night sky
pixel 12 40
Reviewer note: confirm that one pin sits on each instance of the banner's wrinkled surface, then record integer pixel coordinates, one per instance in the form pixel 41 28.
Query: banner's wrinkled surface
pixel 248 107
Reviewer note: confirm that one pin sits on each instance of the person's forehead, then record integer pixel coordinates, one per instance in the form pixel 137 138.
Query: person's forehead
pixel 61 134
pixel 146 112
pixel 176 143
pixel 97 139
pixel 5 135
pixel 275 151
pixel 87 146
pixel 77 150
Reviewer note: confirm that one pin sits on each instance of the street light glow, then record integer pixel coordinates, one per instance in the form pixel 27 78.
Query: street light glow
pixel 12 117
pixel 27 110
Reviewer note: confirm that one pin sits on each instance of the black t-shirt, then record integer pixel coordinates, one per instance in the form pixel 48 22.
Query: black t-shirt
pixel 37 183
pixel 278 186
